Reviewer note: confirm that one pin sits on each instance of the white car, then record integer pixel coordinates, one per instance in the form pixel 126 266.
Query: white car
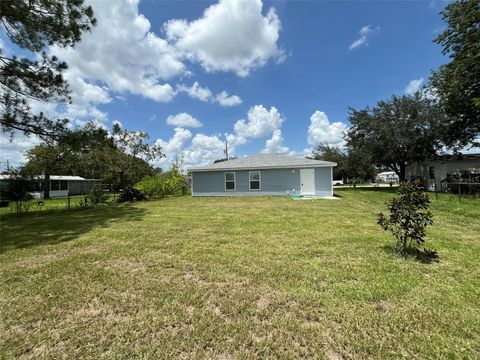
pixel 337 182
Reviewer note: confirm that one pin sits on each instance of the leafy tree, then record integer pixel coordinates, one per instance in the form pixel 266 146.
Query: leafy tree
pixel 396 131
pixel 457 84
pixel 351 163
pixel 359 165
pixel 60 153
pixel 93 153
pixel 133 151
pixel 409 217
pixel 33 25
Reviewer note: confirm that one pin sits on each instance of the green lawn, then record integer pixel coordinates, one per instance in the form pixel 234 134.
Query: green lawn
pixel 238 278
pixel 49 205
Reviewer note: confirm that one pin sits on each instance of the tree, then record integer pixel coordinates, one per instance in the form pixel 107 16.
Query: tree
pixel 396 131
pixel 33 25
pixel 409 217
pixel 359 165
pixel 457 84
pixel 134 150
pixel 63 152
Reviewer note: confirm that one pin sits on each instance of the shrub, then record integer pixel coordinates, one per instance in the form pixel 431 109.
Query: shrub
pixel 97 196
pixel 17 190
pixel 409 217
pixel 171 183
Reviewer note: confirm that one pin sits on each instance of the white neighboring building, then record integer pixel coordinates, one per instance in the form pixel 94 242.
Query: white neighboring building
pixel 387 177
pixel 60 185
pixel 435 173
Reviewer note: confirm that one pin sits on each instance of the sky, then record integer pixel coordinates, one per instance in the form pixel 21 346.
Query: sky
pixel 274 77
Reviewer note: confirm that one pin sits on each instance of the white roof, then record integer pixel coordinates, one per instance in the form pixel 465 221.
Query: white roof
pixel 52 177
pixel 387 173
pixel 264 161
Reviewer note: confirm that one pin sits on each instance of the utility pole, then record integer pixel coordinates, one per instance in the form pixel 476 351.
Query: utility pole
pixel 8 165
pixel 226 149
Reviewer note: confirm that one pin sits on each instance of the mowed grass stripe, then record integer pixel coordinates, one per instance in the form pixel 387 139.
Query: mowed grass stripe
pixel 238 278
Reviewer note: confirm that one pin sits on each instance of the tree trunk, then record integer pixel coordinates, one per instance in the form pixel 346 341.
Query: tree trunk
pixel 46 186
pixel 402 171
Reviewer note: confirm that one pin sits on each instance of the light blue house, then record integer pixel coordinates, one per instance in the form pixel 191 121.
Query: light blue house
pixel 264 174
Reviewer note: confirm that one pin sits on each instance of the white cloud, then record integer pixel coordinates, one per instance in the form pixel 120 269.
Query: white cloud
pixel 413 86
pixel 196 91
pixel 173 147
pixel 322 132
pixel 14 149
pixel 183 119
pixel 231 35
pixel 225 99
pixel 205 94
pixel 275 144
pixel 364 32
pixel 122 53
pixel 203 150
pixel 261 122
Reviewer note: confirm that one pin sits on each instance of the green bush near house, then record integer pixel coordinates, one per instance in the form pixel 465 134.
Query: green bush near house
pixel 171 183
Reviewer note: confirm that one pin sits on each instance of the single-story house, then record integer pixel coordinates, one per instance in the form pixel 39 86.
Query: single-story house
pixel 264 174
pixel 435 173
pixel 387 177
pixel 60 185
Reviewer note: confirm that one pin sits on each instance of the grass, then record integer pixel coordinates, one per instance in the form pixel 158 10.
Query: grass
pixel 48 205
pixel 238 277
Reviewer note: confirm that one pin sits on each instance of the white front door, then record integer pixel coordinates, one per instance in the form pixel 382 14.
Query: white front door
pixel 307 182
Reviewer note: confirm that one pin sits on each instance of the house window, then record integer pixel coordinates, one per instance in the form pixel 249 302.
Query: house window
pixel 431 173
pixel 229 181
pixel 58 185
pixel 254 177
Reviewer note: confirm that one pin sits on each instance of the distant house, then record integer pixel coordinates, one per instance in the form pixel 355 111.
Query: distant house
pixel 264 174
pixel 60 185
pixel 387 177
pixel 438 172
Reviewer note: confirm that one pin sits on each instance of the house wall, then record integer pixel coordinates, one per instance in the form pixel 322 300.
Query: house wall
pixel 441 168
pixel 273 182
pixel 323 181
pixel 81 187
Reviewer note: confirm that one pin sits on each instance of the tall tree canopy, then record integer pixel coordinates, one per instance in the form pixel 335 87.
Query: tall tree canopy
pixel 59 154
pixel 457 84
pixel 396 131
pixel 119 158
pixel 33 25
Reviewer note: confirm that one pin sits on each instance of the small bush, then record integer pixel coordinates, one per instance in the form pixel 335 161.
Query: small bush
pixel 409 217
pixel 97 196
pixel 171 183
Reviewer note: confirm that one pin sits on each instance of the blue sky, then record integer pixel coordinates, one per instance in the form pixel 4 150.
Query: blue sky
pixel 288 71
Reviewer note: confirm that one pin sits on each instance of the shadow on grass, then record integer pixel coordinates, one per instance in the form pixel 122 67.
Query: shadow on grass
pixel 425 257
pixel 371 189
pixel 60 226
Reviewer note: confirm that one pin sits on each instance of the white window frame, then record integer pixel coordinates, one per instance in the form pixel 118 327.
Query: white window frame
pixel 259 180
pixel 234 181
